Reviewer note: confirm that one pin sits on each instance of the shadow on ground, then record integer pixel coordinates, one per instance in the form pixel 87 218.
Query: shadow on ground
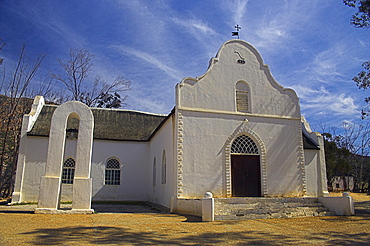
pixel 362 208
pixel 123 236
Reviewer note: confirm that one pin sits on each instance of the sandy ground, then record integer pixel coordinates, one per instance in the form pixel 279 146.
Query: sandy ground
pixel 137 225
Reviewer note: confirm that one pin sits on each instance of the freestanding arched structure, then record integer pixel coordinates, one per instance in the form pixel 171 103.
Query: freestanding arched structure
pixel 50 188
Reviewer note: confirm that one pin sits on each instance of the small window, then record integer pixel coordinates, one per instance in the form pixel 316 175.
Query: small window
pixel 68 172
pixel 164 167
pixel 242 97
pixel 113 172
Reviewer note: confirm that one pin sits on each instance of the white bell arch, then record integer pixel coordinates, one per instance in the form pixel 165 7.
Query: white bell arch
pixel 50 187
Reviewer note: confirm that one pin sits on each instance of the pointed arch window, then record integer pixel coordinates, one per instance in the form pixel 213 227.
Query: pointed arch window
pixel 68 172
pixel 155 171
pixel 164 167
pixel 113 172
pixel 242 97
pixel 244 145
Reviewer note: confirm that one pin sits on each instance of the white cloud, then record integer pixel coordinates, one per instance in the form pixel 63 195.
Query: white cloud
pixel 324 102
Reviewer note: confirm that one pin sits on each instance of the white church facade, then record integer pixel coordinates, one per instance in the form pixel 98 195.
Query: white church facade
pixel 234 132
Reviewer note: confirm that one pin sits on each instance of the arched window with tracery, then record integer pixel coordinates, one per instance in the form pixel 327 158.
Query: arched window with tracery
pixel 244 145
pixel 68 172
pixel 113 172
pixel 242 97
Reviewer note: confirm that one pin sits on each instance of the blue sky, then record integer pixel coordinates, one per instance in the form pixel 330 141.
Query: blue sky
pixel 309 45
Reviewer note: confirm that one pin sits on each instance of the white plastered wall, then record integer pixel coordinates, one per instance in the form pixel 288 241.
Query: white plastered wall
pixel 215 90
pixel 163 139
pixel 315 166
pixel 34 168
pixel 207 117
pixel 204 141
pixel 133 157
pixel 27 123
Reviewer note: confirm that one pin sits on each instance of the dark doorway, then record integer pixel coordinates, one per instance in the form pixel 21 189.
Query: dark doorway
pixel 246 175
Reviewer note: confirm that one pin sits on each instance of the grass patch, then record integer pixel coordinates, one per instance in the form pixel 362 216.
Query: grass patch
pixel 68 202
pixel 24 203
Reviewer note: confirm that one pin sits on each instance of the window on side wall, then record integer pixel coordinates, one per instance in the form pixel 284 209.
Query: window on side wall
pixel 242 97
pixel 154 171
pixel 68 172
pixel 113 172
pixel 164 167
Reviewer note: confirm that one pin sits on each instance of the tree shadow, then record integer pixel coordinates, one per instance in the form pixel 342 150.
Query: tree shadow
pixel 362 208
pixel 124 236
pixel 16 212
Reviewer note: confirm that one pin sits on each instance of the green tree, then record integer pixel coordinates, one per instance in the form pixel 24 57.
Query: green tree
pixel 362 81
pixel 337 159
pixel 361 19
pixel 347 154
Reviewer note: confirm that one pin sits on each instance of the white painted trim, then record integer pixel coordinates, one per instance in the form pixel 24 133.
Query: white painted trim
pixel 201 110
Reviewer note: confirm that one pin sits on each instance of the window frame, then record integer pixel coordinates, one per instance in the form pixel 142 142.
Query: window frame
pixel 68 172
pixel 112 175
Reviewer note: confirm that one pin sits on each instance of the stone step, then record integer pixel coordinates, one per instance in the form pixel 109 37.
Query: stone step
pixel 272 215
pixel 268 210
pixel 248 200
pixel 263 208
pixel 274 205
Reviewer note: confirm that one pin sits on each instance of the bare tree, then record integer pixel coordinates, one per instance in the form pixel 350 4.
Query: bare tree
pixel 15 87
pixel 76 80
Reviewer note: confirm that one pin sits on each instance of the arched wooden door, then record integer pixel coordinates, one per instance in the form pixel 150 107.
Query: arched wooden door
pixel 245 168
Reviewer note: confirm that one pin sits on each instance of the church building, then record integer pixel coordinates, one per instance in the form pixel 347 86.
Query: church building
pixel 234 132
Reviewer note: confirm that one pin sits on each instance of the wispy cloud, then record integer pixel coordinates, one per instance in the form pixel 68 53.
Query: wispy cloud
pixel 272 33
pixel 239 10
pixel 201 31
pixel 150 59
pixel 42 19
pixel 195 27
pixel 325 65
pixel 147 103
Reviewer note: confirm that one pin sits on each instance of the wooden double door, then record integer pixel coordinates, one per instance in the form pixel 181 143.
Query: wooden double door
pixel 246 175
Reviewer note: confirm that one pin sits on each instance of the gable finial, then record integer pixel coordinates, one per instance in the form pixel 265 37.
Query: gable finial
pixel 237 27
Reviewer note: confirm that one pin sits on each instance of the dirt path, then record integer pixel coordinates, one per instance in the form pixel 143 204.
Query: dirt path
pixel 21 227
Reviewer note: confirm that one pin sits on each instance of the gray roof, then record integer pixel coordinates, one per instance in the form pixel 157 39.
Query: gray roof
pixel 109 124
pixel 308 142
